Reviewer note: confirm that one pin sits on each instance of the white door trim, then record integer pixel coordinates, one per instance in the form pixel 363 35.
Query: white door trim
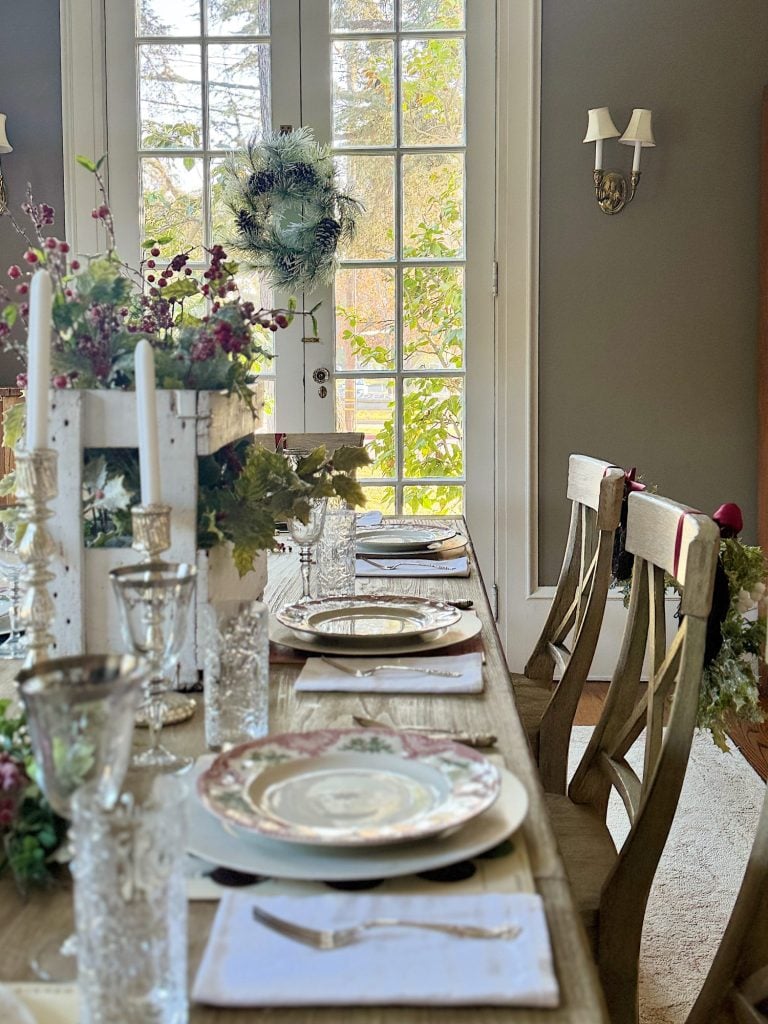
pixel 83 108
pixel 519 74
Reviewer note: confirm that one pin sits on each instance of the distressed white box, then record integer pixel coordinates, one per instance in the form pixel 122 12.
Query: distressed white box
pixel 190 423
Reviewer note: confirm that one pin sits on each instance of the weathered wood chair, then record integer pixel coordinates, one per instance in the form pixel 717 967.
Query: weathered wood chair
pixel 569 637
pixel 303 444
pixel 610 888
pixel 737 983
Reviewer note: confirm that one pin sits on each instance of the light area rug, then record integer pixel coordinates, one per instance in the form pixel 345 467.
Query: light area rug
pixel 699 874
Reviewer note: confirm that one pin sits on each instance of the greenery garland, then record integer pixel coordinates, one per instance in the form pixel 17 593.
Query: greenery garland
pixel 290 213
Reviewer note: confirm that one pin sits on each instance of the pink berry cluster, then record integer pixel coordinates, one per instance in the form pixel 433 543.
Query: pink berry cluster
pixel 13 780
pixel 190 318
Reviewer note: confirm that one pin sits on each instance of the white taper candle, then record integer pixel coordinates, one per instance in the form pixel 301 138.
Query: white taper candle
pixel 146 414
pixel 38 360
pixel 598 154
pixel 636 159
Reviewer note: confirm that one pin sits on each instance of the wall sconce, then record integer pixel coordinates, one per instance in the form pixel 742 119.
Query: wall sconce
pixel 612 190
pixel 5 147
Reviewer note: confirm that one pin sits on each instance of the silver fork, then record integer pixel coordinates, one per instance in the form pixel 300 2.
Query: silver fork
pixel 411 562
pixel 336 938
pixel 364 673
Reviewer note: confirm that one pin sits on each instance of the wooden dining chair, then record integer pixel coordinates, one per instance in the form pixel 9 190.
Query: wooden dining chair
pixel 569 637
pixel 303 444
pixel 737 983
pixel 611 888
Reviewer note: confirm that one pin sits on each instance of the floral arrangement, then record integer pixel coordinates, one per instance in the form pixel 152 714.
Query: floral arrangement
pixel 29 828
pixel 289 210
pixel 735 633
pixel 204 334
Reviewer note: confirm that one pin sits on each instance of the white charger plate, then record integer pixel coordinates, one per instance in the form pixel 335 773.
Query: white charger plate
pixel 230 847
pixel 468 626
pixel 349 787
pixel 397 537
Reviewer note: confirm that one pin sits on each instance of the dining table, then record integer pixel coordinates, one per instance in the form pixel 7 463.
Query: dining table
pixel 26 921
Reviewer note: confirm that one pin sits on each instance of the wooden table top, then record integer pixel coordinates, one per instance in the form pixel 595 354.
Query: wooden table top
pixel 24 926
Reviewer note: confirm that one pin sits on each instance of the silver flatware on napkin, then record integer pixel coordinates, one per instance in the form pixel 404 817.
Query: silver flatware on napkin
pixel 364 673
pixel 469 739
pixel 335 938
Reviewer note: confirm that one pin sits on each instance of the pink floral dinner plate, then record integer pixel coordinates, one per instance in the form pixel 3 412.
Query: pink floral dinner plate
pixel 349 787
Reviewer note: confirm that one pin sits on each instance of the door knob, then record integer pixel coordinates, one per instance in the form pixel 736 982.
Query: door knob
pixel 321 375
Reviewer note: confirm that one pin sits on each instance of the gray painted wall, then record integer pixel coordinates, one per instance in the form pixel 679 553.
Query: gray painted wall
pixel 30 94
pixel 648 319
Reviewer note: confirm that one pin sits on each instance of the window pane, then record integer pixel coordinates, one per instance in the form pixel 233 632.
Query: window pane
pixel 172 193
pixel 371 179
pixel 265 423
pixel 433 92
pixel 161 18
pixel 380 499
pixel 245 17
pixel 368 404
pixel 365 319
pixel 170 97
pixel 363 95
pixel 362 15
pixel 433 427
pixel 433 205
pixel 438 500
pixel 239 94
pixel 443 14
pixel 433 318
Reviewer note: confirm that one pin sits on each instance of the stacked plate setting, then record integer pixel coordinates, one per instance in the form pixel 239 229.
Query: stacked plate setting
pixel 350 805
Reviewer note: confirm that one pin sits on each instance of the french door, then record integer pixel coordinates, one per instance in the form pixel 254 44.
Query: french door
pixel 403 90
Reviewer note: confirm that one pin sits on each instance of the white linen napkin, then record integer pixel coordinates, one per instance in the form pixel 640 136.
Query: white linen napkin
pixel 430 569
pixel 38 1003
pixel 369 518
pixel 246 964
pixel 318 675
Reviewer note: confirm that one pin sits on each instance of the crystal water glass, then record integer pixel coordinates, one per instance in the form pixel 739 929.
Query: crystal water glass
pixel 12 569
pixel 154 600
pixel 336 554
pixel 305 534
pixel 131 903
pixel 235 636
pixel 79 713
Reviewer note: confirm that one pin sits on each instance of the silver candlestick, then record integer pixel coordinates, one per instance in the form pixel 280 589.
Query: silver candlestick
pixel 36 485
pixel 151 530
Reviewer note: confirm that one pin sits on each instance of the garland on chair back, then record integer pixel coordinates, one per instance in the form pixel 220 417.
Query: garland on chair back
pixel 289 211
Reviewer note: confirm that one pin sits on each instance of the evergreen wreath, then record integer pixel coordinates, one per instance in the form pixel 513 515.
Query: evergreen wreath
pixel 289 211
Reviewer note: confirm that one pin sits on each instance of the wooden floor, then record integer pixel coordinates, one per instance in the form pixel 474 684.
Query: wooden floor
pixel 752 740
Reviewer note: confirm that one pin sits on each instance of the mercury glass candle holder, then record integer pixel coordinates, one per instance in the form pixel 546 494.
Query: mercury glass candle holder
pixel 36 485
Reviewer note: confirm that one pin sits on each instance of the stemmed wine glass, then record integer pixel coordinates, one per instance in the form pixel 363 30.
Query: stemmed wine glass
pixel 154 600
pixel 79 713
pixel 12 568
pixel 305 534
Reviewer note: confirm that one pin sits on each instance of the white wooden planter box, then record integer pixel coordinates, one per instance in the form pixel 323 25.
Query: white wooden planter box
pixel 190 423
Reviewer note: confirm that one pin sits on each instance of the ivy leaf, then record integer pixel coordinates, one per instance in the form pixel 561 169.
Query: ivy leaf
pixel 349 458
pixel 312 462
pixel 14 421
pixel 349 489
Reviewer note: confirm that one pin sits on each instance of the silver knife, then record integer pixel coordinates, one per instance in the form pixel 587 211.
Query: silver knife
pixel 469 739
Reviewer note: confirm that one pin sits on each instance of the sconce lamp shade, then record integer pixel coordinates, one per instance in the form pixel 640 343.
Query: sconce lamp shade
pixel 5 146
pixel 639 129
pixel 600 125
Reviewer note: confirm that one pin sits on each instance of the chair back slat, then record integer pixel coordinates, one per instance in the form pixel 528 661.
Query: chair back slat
pixel 661 535
pixel 739 971
pixel 595 489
